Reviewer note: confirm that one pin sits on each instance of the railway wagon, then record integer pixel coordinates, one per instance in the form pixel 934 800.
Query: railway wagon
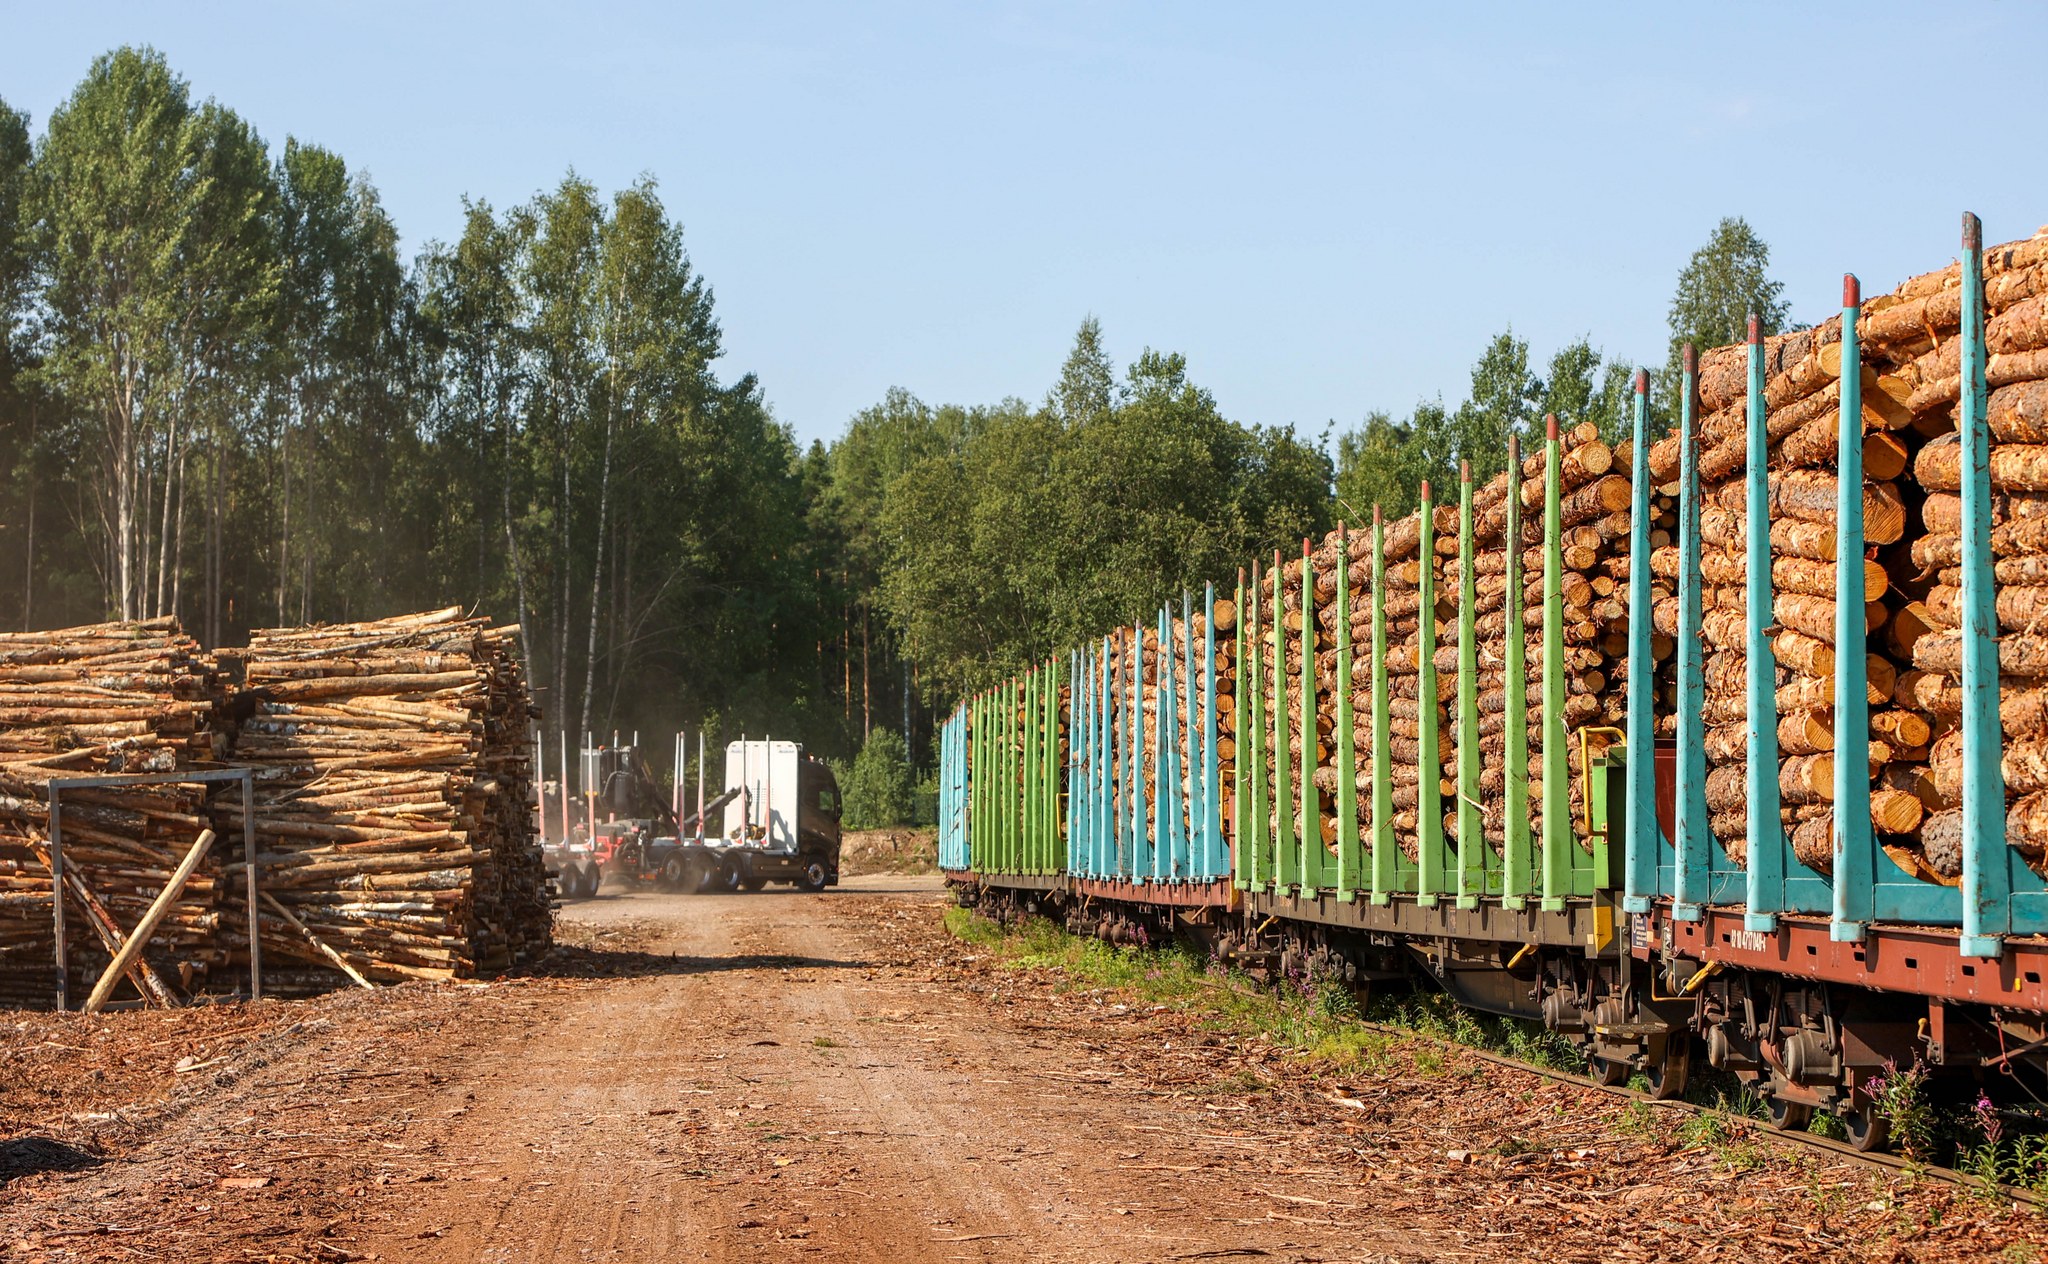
pixel 1579 743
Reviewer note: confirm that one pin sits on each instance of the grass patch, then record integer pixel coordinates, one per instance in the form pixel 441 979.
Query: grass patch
pixel 1317 1027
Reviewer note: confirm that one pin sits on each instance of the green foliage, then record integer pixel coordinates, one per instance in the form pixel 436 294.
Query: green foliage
pixel 1503 402
pixel 1372 471
pixel 1030 533
pixel 1384 462
pixel 1723 283
pixel 1580 389
pixel 878 793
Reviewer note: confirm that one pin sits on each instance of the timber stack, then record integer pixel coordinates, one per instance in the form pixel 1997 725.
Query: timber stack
pixel 394 806
pixel 1909 374
pixel 90 701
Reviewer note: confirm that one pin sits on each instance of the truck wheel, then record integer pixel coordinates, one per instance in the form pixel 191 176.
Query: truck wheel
pixel 813 877
pixel 752 884
pixel 725 879
pixel 674 874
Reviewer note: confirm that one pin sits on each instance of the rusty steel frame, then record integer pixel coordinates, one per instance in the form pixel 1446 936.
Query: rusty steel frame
pixel 212 776
pixel 1919 960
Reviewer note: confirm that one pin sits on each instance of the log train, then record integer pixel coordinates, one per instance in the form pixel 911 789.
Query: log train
pixel 1580 745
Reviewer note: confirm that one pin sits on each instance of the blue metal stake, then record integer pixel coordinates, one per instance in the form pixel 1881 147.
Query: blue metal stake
pixel 1855 844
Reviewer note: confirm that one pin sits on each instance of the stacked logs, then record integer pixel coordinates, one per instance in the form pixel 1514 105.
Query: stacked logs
pixel 1594 502
pixel 394 817
pixel 111 698
pixel 1910 382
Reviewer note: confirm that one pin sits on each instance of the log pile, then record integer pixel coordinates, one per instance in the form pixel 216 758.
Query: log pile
pixel 394 808
pixel 1910 380
pixel 111 698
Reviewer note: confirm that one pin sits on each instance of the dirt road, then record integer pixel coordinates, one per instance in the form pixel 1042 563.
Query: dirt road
pixel 774 1077
pixel 788 1077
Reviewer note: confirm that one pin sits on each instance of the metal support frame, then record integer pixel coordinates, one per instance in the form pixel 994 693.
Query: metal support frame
pixel 219 776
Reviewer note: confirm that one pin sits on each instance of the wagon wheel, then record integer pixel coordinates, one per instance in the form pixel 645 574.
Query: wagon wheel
pixel 1788 1115
pixel 1868 1131
pixel 1668 1074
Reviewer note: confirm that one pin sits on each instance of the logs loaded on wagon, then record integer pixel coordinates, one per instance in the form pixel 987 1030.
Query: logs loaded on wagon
pixel 1907 580
pixel 393 816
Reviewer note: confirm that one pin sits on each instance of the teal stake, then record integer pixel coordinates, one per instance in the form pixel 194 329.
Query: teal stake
pixel 1764 822
pixel 1987 863
pixel 1855 843
pixel 1639 870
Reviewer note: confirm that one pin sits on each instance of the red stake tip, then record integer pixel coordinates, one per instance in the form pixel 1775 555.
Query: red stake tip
pixel 1756 329
pixel 1973 231
pixel 1425 489
pixel 1852 290
pixel 1464 470
pixel 1550 426
pixel 1691 359
pixel 1642 381
pixel 1375 515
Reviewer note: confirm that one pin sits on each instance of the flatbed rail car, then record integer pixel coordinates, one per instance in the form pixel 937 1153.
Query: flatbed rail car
pixel 1137 792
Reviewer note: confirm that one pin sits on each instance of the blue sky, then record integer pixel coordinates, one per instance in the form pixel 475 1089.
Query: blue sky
pixel 1327 208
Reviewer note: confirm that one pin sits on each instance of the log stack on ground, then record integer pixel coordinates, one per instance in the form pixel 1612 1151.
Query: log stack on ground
pixel 90 701
pixel 394 808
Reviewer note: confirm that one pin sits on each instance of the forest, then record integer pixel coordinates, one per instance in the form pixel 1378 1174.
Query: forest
pixel 227 395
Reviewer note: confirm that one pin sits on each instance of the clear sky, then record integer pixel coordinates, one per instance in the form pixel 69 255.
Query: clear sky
pixel 1326 208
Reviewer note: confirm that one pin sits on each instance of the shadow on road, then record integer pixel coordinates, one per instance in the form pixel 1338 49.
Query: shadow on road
pixel 565 962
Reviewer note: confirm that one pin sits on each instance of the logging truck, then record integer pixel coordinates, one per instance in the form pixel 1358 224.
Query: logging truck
pixel 778 822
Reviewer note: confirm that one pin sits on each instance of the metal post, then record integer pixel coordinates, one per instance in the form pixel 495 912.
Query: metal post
pixel 1517 882
pixel 1557 794
pixel 1313 857
pixel 1252 846
pixel 1286 853
pixel 1429 770
pixel 1639 869
pixel 57 898
pixel 1384 850
pixel 1694 837
pixel 563 796
pixel 1240 731
pixel 1987 864
pixel 249 866
pixel 1214 860
pixel 1763 823
pixel 1855 844
pixel 1141 820
pixel 1349 880
pixel 1471 824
